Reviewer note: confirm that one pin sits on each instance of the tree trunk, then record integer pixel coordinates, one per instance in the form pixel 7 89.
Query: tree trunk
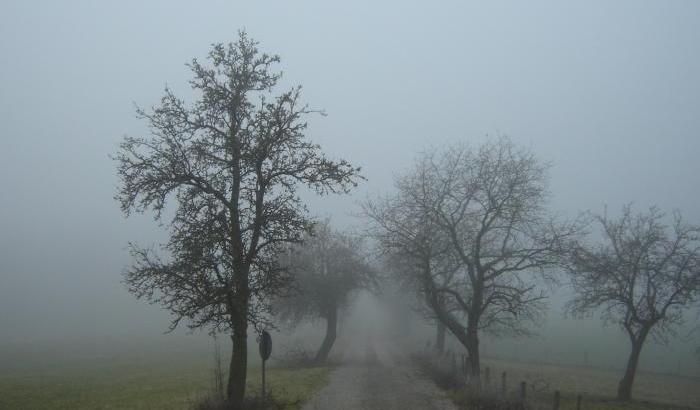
pixel 474 315
pixel 624 389
pixel 239 362
pixel 440 337
pixel 331 330
pixel 473 350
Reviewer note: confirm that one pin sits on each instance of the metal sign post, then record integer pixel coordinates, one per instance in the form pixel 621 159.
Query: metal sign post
pixel 265 346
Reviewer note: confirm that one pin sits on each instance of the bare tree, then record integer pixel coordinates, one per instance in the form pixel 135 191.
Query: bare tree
pixel 327 269
pixel 475 225
pixel 232 162
pixel 642 275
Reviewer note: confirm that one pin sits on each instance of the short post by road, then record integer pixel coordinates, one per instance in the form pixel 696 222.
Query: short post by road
pixel 265 345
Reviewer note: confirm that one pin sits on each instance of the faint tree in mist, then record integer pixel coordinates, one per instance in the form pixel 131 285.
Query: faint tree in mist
pixel 327 269
pixel 643 274
pixel 231 162
pixel 473 224
pixel 413 268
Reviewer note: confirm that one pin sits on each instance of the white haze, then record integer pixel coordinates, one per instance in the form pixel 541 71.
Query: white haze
pixel 609 92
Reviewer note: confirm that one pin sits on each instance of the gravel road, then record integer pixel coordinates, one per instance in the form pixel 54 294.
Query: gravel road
pixel 378 379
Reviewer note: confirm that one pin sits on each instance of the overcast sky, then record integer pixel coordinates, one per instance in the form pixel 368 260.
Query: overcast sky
pixel 609 92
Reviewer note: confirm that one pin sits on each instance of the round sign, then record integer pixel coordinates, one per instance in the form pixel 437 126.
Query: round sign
pixel 265 345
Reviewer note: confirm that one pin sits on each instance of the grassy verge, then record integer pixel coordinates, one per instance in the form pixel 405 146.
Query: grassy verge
pixel 293 387
pixel 650 389
pixel 492 397
pixel 468 400
pixel 140 386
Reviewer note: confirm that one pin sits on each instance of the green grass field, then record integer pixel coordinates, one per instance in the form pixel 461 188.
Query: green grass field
pixel 596 386
pixel 173 378
pixel 568 402
pixel 145 383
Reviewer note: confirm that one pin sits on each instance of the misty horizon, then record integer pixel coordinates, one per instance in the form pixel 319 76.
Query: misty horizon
pixel 607 93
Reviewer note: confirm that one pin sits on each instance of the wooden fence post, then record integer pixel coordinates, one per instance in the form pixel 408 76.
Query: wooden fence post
pixel 557 400
pixel 578 402
pixel 523 391
pixel 487 375
pixel 503 382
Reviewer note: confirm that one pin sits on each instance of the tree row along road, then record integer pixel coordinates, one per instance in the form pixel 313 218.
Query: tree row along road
pixel 374 376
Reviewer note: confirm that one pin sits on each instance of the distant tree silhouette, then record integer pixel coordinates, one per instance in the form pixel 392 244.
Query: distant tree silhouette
pixel 327 269
pixel 402 267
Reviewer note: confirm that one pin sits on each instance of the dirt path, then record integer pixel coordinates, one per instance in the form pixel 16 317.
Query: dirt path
pixel 378 379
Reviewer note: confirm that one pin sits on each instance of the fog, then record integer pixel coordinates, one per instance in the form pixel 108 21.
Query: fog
pixel 608 92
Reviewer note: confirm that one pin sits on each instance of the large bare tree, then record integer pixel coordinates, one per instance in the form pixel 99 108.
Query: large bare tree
pixel 231 163
pixel 327 268
pixel 642 276
pixel 474 223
